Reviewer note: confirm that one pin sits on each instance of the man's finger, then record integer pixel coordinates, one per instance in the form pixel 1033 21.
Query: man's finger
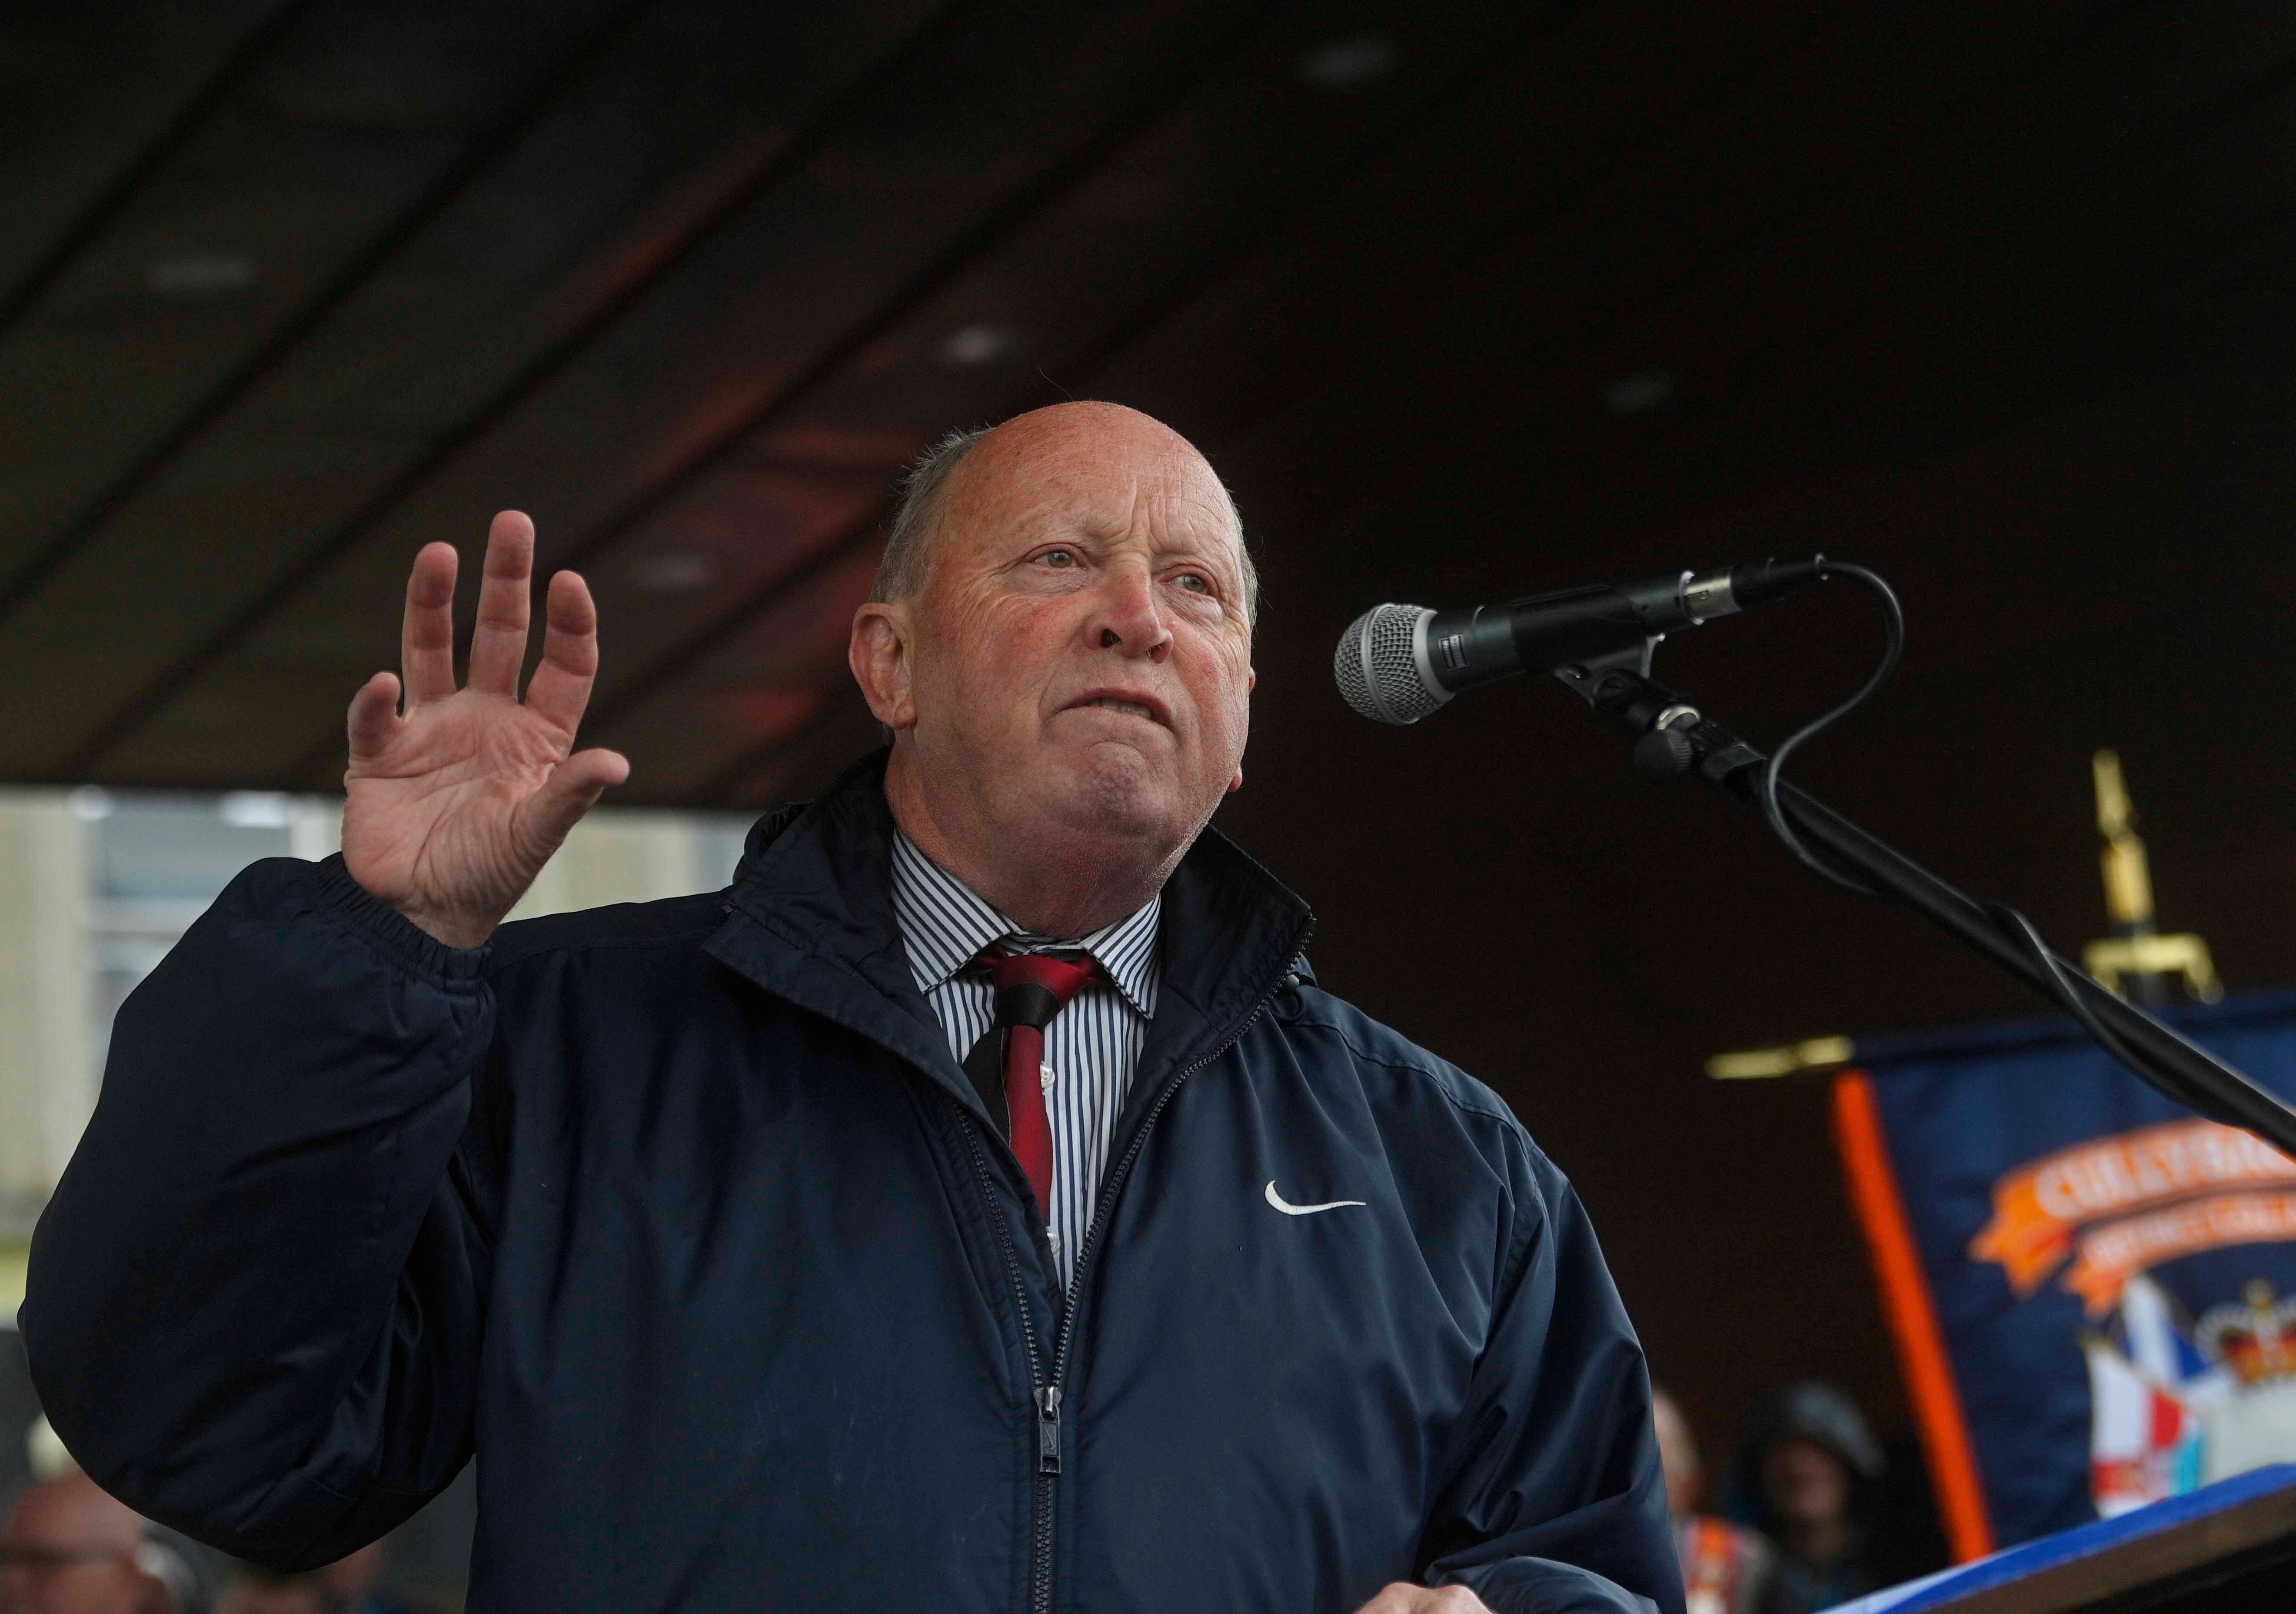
pixel 426 636
pixel 560 687
pixel 1402 1597
pixel 571 790
pixel 1395 1599
pixel 373 717
pixel 499 642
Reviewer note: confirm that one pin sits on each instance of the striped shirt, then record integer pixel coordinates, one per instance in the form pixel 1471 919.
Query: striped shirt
pixel 1090 1047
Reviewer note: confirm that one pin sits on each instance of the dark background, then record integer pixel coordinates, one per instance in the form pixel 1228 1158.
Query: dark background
pixel 1467 300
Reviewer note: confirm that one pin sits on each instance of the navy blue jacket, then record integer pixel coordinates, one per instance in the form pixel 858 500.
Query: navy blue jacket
pixel 683 1218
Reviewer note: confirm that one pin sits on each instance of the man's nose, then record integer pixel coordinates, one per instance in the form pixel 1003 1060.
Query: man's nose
pixel 1126 616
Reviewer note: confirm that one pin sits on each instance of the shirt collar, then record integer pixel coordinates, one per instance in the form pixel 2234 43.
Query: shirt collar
pixel 945 923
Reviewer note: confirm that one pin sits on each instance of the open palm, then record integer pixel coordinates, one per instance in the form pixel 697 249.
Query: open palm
pixel 457 802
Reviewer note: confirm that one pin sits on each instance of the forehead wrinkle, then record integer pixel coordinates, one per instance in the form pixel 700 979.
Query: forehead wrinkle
pixel 1201 520
pixel 1132 500
pixel 1106 483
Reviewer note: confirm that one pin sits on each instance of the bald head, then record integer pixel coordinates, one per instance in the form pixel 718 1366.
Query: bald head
pixel 70 1549
pixel 77 1506
pixel 1090 428
pixel 1060 645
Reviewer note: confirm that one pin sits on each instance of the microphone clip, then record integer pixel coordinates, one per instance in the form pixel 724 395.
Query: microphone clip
pixel 1588 678
pixel 1671 736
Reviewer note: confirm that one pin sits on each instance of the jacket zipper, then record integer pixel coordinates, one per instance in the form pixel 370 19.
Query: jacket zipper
pixel 1045 1393
pixel 1045 1397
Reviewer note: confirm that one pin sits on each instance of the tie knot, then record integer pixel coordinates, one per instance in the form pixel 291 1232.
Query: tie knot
pixel 1032 987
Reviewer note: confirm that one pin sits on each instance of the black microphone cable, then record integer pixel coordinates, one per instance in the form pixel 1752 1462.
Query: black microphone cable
pixel 1893 623
pixel 2014 926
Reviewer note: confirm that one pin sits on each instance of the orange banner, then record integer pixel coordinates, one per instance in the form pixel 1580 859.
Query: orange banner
pixel 2038 1208
pixel 2111 1253
pixel 1912 1320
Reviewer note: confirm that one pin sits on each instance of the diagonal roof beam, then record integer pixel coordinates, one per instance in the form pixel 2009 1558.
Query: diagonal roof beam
pixel 108 205
pixel 730 624
pixel 712 791
pixel 969 246
pixel 77 533
pixel 380 504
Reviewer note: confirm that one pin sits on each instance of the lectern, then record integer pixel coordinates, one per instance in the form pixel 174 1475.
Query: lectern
pixel 2228 1548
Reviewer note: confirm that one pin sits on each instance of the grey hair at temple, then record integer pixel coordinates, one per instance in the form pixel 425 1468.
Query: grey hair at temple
pixel 916 512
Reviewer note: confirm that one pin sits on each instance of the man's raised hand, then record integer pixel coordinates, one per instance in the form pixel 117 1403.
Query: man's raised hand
pixel 455 803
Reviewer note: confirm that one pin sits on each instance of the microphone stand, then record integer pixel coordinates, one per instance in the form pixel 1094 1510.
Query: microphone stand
pixel 1673 738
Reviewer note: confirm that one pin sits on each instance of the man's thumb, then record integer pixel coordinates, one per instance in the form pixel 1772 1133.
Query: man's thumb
pixel 571 790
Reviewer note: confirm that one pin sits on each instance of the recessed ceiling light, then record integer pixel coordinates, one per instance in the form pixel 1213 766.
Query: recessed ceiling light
pixel 1341 64
pixel 199 276
pixel 1643 392
pixel 673 571
pixel 969 346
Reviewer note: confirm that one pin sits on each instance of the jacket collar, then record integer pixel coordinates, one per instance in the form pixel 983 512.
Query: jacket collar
pixel 811 920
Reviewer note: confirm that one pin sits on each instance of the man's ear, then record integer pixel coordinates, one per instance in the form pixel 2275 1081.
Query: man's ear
pixel 878 655
pixel 1250 683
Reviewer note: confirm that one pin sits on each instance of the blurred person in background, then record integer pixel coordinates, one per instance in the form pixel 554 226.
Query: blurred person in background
pixel 355 1583
pixel 345 1586
pixel 251 1589
pixel 1726 1569
pixel 1809 1477
pixel 71 1549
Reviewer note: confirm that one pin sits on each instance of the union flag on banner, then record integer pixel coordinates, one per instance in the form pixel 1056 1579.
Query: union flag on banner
pixel 2093 1292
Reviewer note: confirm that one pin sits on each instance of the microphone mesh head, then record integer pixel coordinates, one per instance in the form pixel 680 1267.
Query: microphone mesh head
pixel 1377 668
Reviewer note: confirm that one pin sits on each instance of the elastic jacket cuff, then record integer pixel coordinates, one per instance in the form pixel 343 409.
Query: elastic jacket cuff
pixel 400 936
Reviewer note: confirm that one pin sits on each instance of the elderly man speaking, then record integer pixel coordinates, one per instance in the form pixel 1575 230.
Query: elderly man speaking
pixel 975 1207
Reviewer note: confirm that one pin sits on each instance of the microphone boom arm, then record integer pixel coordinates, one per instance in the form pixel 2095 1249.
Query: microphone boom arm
pixel 1673 736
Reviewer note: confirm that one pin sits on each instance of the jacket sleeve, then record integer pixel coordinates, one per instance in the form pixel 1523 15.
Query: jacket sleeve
pixel 255 1301
pixel 1556 1503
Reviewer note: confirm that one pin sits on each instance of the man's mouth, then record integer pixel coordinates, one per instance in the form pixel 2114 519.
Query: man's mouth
pixel 1140 704
pixel 1109 703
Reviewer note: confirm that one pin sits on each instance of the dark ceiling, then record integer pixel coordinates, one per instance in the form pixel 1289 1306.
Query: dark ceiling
pixel 1467 300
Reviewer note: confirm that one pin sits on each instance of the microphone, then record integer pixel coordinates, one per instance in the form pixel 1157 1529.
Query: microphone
pixel 1396 663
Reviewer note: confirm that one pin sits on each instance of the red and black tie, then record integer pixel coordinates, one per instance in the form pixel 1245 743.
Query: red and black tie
pixel 1031 988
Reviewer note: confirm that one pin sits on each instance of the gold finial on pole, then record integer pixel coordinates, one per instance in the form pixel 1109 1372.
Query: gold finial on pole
pixel 2128 876
pixel 2135 953
pixel 2114 815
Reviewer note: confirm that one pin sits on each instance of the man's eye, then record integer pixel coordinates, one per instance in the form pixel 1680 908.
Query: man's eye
pixel 1196 581
pixel 1058 558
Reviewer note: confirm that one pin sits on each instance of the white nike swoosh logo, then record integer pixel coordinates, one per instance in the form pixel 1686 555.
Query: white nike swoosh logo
pixel 1278 1201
